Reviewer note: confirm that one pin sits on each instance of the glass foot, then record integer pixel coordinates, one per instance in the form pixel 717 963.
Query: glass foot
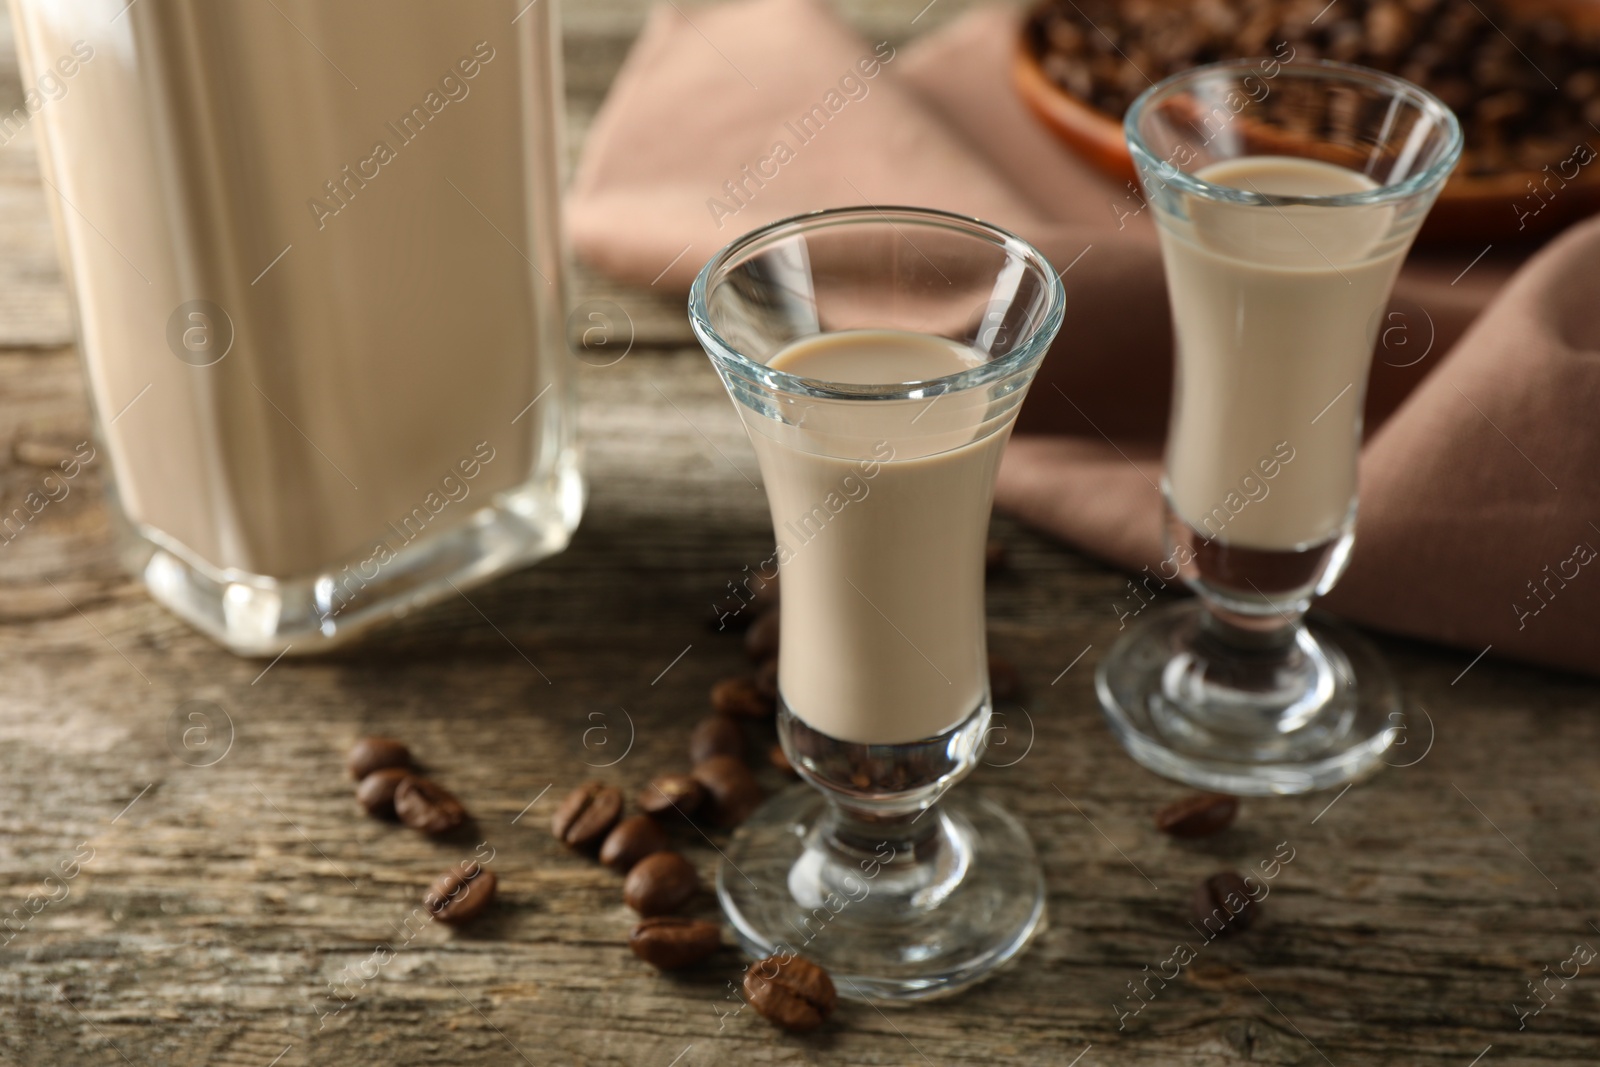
pixel 1318 711
pixel 892 923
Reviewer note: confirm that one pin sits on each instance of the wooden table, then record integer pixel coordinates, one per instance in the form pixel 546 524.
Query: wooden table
pixel 212 906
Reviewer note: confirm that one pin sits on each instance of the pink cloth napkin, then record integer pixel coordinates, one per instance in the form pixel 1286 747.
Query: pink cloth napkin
pixel 1480 479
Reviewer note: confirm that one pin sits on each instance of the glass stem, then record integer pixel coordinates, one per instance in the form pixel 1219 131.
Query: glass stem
pixel 1269 632
pixel 855 833
pixel 916 857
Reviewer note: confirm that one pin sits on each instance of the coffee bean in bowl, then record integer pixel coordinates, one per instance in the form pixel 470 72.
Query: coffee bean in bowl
pixel 790 992
pixel 587 815
pixel 460 894
pixel 671 943
pixel 426 805
pixel 630 841
pixel 376 791
pixel 659 884
pixel 1513 71
pixel 374 753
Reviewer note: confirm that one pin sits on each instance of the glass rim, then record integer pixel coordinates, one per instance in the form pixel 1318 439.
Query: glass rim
pixel 1323 69
pixel 1028 351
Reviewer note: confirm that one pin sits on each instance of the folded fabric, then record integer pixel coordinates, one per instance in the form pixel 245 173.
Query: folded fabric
pixel 1479 491
pixel 752 112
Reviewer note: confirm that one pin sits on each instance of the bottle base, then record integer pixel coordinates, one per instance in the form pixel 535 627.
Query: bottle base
pixel 1318 712
pixel 256 615
pixel 890 928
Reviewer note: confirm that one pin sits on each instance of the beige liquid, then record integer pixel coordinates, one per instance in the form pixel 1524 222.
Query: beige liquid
pixel 386 353
pixel 1276 312
pixel 881 510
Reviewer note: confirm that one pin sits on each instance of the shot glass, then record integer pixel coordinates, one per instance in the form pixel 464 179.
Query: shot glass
pixel 880 484
pixel 1286 196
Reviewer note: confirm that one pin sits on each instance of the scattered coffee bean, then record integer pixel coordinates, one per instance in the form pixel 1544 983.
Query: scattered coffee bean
pixel 630 841
pixel 740 696
pixel 1223 904
pixel 1004 683
pixel 376 791
pixel 765 593
pixel 995 556
pixel 729 613
pixel 669 943
pixel 587 815
pixel 790 992
pixel 767 680
pixel 1198 815
pixel 780 759
pixel 672 794
pixel 716 735
pixel 461 893
pixel 660 883
pixel 761 640
pixel 427 806
pixel 732 790
pixel 375 753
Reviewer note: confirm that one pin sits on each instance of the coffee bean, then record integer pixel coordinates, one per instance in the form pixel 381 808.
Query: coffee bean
pixel 1223 904
pixel 995 556
pixel 790 992
pixel 1344 40
pixel 732 790
pixel 1004 683
pixel 376 791
pixel 729 613
pixel 630 841
pixel 1198 815
pixel 1388 28
pixel 1457 93
pixel 1065 37
pixel 740 696
pixel 672 794
pixel 587 815
pixel 765 593
pixel 461 893
pixel 780 759
pixel 1582 86
pixel 375 753
pixel 1465 51
pixel 767 680
pixel 669 943
pixel 660 883
pixel 716 735
pixel 1591 115
pixel 427 806
pixel 761 640
pixel 885 775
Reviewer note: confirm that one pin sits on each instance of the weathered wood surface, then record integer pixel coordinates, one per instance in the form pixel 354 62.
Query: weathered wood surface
pixel 221 901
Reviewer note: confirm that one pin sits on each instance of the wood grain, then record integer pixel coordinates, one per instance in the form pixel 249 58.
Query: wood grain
pixel 222 901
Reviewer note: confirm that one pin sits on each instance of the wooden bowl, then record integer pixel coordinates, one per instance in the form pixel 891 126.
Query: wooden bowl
pixel 1469 209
